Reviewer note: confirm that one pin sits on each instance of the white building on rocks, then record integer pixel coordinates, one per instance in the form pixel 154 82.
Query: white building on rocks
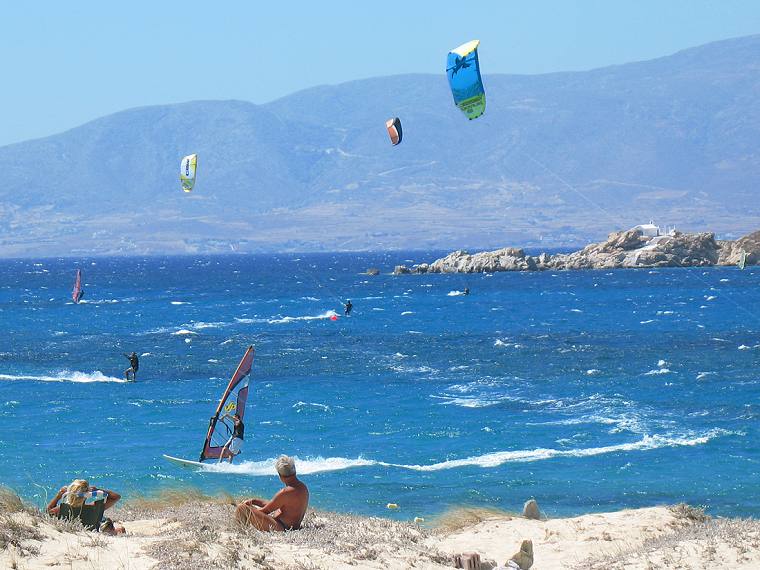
pixel 651 230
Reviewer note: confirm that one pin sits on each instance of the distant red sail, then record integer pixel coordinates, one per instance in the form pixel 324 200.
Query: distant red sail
pixel 394 130
pixel 76 294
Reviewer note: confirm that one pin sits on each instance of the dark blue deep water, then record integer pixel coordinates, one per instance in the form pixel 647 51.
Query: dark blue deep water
pixel 590 390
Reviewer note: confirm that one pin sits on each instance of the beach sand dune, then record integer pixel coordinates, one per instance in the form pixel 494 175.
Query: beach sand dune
pixel 201 534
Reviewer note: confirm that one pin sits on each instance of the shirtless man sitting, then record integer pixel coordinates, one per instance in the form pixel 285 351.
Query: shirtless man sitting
pixel 285 510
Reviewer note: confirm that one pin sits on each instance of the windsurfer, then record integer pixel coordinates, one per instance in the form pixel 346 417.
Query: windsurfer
pixel 284 511
pixel 348 308
pixel 234 445
pixel 134 364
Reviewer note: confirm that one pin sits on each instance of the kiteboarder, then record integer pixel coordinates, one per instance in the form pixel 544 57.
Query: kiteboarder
pixel 348 308
pixel 234 445
pixel 134 364
pixel 466 290
pixel 285 510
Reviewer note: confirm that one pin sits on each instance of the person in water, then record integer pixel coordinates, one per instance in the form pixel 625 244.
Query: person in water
pixel 134 364
pixel 234 445
pixel 284 511
pixel 75 495
pixel 466 290
pixel 348 307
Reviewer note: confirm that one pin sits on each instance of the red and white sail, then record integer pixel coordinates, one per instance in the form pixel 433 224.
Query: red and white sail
pixel 232 402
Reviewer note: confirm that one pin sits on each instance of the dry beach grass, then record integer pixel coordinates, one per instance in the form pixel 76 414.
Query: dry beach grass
pixel 188 530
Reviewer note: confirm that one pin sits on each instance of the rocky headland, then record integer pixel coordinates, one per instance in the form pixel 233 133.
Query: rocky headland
pixel 624 249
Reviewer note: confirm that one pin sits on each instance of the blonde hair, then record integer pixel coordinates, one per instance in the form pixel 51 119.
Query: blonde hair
pixel 285 466
pixel 72 496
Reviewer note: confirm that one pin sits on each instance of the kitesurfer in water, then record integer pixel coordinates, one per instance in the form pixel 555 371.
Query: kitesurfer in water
pixel 134 364
pixel 284 511
pixel 466 290
pixel 235 444
pixel 348 308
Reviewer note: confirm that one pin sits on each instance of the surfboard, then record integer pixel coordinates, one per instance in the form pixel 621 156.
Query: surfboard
pixel 184 462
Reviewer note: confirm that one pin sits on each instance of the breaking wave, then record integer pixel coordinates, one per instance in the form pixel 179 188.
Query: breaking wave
pixel 487 460
pixel 326 315
pixel 66 376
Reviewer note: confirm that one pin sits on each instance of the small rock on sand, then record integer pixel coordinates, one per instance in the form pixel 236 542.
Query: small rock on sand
pixel 530 510
pixel 524 558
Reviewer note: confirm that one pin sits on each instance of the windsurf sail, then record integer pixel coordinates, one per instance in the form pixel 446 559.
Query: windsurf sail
pixel 232 402
pixel 463 71
pixel 187 172
pixel 742 260
pixel 76 293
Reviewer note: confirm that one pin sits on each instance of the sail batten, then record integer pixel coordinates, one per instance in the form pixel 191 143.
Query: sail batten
pixel 233 401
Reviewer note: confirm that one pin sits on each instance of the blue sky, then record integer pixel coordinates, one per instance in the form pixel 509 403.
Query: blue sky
pixel 65 63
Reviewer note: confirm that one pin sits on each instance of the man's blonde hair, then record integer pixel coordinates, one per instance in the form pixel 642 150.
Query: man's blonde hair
pixel 285 466
pixel 73 495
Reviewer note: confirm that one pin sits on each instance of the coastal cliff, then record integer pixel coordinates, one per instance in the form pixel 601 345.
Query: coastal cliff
pixel 624 249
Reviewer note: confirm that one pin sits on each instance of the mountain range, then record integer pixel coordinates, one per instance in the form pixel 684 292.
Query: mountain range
pixel 557 160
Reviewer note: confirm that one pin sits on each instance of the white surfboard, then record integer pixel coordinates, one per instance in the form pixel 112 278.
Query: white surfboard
pixel 184 462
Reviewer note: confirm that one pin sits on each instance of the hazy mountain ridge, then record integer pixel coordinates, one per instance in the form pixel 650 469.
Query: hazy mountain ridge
pixel 563 156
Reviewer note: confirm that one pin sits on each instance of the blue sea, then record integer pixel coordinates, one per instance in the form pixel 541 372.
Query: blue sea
pixel 589 390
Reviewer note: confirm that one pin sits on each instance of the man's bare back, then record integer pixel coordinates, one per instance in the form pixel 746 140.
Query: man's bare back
pixel 285 510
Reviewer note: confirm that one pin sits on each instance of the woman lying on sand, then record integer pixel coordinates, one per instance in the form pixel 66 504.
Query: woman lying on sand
pixel 74 495
pixel 285 510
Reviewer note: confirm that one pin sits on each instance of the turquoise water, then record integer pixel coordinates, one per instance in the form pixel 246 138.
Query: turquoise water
pixel 589 390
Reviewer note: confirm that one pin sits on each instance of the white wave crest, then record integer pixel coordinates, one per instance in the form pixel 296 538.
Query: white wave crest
pixel 522 456
pixel 303 466
pixel 66 376
pixel 455 293
pixel 499 342
pixel 473 402
pixel 298 406
pixel 326 315
pixel 488 460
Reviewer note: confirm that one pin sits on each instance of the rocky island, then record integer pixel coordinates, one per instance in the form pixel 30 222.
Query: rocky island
pixel 624 249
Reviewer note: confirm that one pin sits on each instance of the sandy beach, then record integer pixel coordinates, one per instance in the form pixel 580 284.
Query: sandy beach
pixel 198 532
